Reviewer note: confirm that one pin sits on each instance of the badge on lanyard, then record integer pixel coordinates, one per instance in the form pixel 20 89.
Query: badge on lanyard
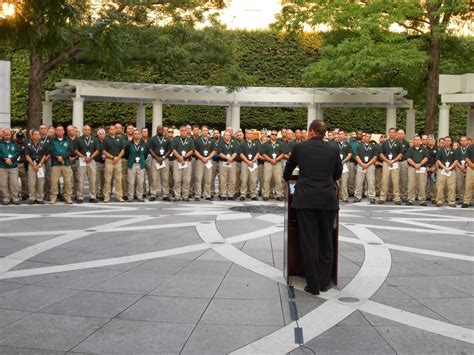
pixel 366 159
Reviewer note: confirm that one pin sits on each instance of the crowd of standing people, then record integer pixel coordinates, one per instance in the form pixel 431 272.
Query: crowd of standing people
pixel 53 163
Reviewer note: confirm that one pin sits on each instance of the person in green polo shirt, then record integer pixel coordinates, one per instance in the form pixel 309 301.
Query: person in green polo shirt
pixel 366 156
pixel 249 153
pixel 417 158
pixel 273 153
pixel 159 147
pixel 61 150
pixel 204 152
pixel 446 176
pixel 391 153
pixel 137 152
pixel 113 152
pixel 469 182
pixel 9 153
pixel 228 153
pixel 86 148
pixel 183 149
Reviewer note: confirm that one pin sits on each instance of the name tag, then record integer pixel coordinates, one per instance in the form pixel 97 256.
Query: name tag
pixel 206 153
pixel 88 154
pixel 447 164
pixel 10 156
pixel 366 159
pixel 390 156
pixel 250 156
pixel 342 156
pixel 228 155
pixel 103 157
pixel 162 151
pixel 137 159
pixel 274 155
pixel 183 153
pixel 463 162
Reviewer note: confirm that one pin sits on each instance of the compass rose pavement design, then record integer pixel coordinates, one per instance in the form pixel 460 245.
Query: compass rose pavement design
pixel 206 278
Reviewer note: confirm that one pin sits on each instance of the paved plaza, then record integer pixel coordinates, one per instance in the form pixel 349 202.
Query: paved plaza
pixel 205 278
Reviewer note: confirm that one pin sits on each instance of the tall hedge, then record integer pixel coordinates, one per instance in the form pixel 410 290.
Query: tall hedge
pixel 268 58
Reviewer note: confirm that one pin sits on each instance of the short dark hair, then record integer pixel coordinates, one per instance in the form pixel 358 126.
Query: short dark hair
pixel 319 127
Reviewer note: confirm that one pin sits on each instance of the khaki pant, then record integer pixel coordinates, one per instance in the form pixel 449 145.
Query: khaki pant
pixel 182 180
pixel 403 182
pixel 75 176
pixel 460 184
pixel 416 185
pixel 361 178
pixel 56 173
pixel 113 171
pixel 135 176
pixel 378 179
pixel 227 179
pixel 248 181
pixel 443 182
pixel 161 178
pixel 431 186
pixel 393 176
pixel 352 178
pixel 23 175
pixel 237 177
pixel 124 169
pixel 35 185
pixel 343 191
pixel 149 174
pixel 99 179
pixel 171 176
pixel 89 171
pixel 260 179
pixel 272 171
pixel 202 175
pixel 215 173
pixel 191 182
pixel 47 177
pixel 9 184
pixel 469 186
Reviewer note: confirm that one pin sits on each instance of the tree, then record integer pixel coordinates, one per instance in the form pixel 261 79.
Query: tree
pixel 57 31
pixel 380 39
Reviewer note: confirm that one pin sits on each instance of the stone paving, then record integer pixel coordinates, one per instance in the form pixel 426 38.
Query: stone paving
pixel 205 278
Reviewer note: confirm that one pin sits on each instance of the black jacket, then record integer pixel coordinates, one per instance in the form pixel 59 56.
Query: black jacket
pixel 320 166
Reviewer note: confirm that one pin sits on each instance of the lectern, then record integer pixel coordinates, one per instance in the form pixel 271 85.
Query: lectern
pixel 293 261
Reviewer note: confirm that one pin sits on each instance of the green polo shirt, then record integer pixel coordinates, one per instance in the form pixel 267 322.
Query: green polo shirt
pixel 159 146
pixel 61 148
pixel 136 153
pixel 99 158
pixel 273 150
pixel 113 145
pixel 391 149
pixel 367 151
pixel 404 149
pixel 417 154
pixel 228 148
pixel 445 155
pixel 37 152
pixel 460 155
pixel 86 145
pixel 205 146
pixel 249 149
pixel 344 149
pixel 183 146
pixel 9 150
pixel 470 153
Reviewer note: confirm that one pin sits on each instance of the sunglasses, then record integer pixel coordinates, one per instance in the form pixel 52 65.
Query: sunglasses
pixel 273 134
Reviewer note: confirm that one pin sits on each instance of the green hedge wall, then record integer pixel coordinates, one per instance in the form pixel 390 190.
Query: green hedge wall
pixel 269 59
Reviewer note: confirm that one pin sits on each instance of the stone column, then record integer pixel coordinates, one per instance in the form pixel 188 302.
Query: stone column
pixel 228 116
pixel 157 116
pixel 410 128
pixel 470 122
pixel 391 121
pixel 48 113
pixel 78 113
pixel 141 112
pixel 443 123
pixel 312 114
pixel 235 117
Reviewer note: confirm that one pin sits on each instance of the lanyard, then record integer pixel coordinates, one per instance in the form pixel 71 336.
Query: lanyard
pixel 43 140
pixel 183 143
pixel 36 148
pixel 227 146
pixel 366 147
pixel 205 142
pixel 447 151
pixel 249 144
pixel 137 146
pixel 87 141
pixel 391 144
pixel 160 140
pixel 463 151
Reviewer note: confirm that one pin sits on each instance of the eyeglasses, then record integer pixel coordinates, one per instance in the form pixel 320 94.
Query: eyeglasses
pixel 273 134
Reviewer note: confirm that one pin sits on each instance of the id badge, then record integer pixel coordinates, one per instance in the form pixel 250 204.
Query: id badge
pixel 10 156
pixel 274 155
pixel 463 162
pixel 250 156
pixel 183 153
pixel 342 156
pixel 88 154
pixel 448 164
pixel 206 152
pixel 137 159
pixel 162 151
pixel 228 155
pixel 103 157
pixel 366 159
pixel 390 156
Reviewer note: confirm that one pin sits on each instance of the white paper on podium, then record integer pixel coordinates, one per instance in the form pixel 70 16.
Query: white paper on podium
pixel 421 170
pixel 393 167
pixel 209 164
pixel 82 161
pixel 345 169
pixel 183 165
pixel 40 173
pixel 160 166
pixel 360 170
pixel 446 173
pixel 253 167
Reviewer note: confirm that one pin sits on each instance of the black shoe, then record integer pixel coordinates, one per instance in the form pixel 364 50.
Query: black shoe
pixel 177 199
pixel 265 199
pixel 325 288
pixel 222 198
pixel 128 200
pixel 372 201
pixel 423 204
pixel 464 205
pixel 313 292
pixel 31 202
pixel 231 198
pixel 279 198
pixel 17 203
pixel 242 198
pixel 197 199
pixel 153 198
pixel 93 200
pixel 125 198
pixel 80 201
pixel 398 203
pixel 166 199
pixel 452 205
pixel 381 202
pixel 186 199
pixel 141 200
pixel 409 203
pixel 356 200
pixel 209 198
pixel 254 198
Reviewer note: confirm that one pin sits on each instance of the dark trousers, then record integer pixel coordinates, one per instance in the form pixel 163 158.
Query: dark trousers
pixel 315 229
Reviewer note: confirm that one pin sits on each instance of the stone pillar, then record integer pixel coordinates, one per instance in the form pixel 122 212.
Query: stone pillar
pixel 391 121
pixel 443 123
pixel 5 89
pixel 312 114
pixel 157 116
pixel 78 113
pixel 228 115
pixel 410 128
pixel 470 122
pixel 141 112
pixel 48 113
pixel 235 117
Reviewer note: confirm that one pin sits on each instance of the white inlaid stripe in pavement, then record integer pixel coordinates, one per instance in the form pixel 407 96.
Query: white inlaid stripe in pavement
pixel 420 322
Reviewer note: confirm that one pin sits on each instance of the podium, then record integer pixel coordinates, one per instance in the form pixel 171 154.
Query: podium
pixel 293 260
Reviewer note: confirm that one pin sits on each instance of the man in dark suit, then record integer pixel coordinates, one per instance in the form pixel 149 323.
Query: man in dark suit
pixel 316 204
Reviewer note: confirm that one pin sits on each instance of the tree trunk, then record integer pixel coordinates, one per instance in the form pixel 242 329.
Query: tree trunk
pixel 433 83
pixel 35 90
